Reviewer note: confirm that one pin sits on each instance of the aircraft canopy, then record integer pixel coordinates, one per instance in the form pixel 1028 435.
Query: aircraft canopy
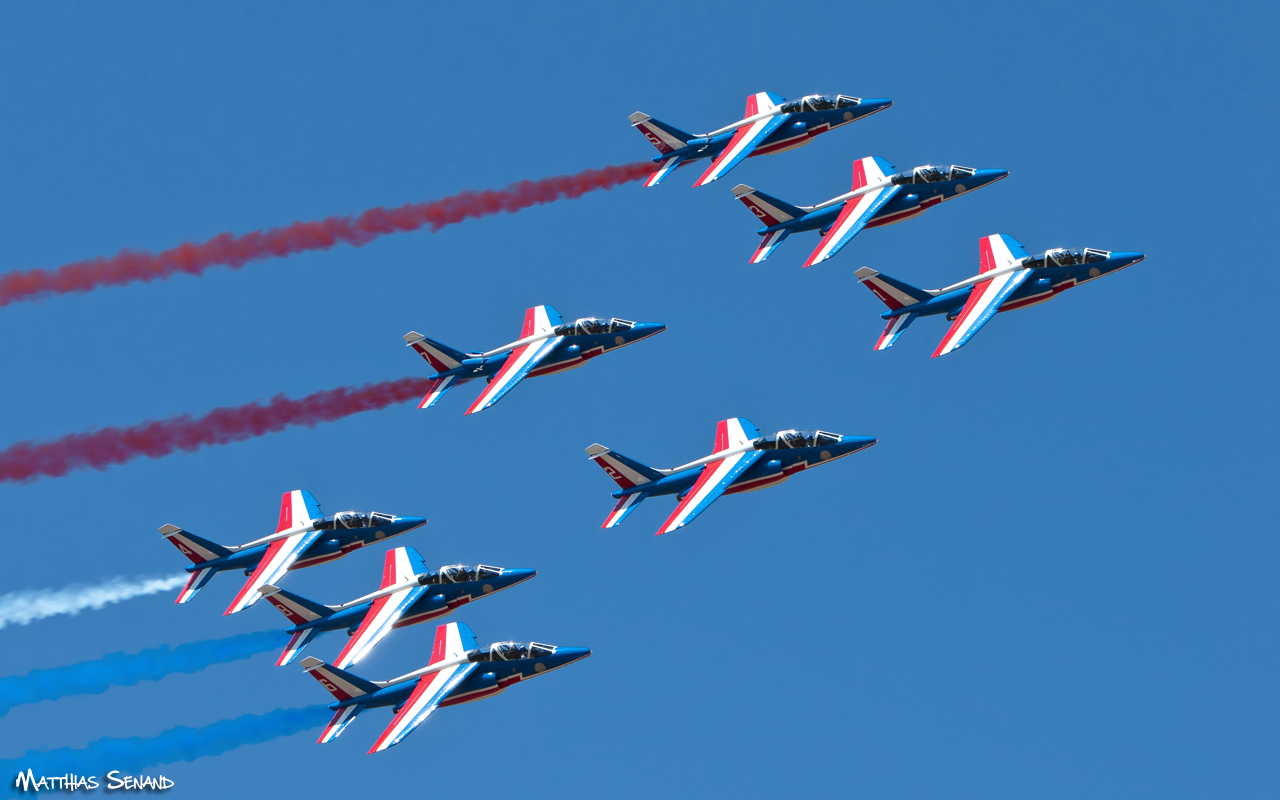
pixel 819 102
pixel 1064 257
pixel 790 440
pixel 933 174
pixel 357 519
pixel 589 326
pixel 512 651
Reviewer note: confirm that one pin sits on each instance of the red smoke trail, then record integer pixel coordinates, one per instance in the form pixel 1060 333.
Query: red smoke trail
pixel 26 461
pixel 235 251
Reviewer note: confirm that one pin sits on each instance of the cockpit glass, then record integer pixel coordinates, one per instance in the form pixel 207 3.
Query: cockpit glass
pixel 484 573
pixel 590 326
pixel 350 519
pixel 845 101
pixel 458 573
pixel 931 174
pixel 1091 255
pixel 1065 258
pixel 822 439
pixel 540 650
pixel 378 519
pixel 509 651
pixel 790 440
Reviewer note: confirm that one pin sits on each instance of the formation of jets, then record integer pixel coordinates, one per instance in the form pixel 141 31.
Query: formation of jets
pixel 742 459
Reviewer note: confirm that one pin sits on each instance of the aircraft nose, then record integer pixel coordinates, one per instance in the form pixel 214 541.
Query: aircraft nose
pixel 986 176
pixel 1127 258
pixel 510 577
pixel 568 655
pixel 403 524
pixel 649 329
pixel 875 104
pixel 852 444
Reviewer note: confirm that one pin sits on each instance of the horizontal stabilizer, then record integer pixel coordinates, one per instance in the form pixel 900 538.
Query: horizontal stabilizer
pixel 664 169
pixel 623 509
pixel 437 390
pixel 298 641
pixel 195 583
pixel 894 329
pixel 341 719
pixel 768 244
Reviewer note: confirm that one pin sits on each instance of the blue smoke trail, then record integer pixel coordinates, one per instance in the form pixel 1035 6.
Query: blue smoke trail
pixel 126 669
pixel 182 743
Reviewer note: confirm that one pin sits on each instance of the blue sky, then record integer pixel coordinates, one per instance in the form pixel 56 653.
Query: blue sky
pixel 1054 577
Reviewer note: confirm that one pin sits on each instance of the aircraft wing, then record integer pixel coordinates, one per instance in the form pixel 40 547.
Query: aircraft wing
pixel 731 436
pixel 715 478
pixel 275 563
pixel 747 138
pixel 427 695
pixel 996 252
pixel 519 363
pixel 855 215
pixel 537 320
pixel 984 301
pixel 402 565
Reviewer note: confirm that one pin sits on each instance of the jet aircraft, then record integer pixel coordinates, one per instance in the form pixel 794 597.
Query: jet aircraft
pixel 879 196
pixel 546 345
pixel 304 537
pixel 409 594
pixel 772 125
pixel 1009 279
pixel 459 672
pixel 743 461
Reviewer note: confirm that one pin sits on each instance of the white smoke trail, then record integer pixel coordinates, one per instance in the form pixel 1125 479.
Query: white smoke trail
pixel 23 608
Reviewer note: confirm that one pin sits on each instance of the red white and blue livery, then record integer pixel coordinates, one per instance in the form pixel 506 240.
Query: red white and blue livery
pixel 410 594
pixel 459 672
pixel 743 461
pixel 547 345
pixel 770 125
pixel 1009 279
pixel 304 537
pixel 880 196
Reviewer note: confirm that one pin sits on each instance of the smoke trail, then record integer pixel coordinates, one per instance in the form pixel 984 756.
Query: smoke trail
pixel 175 744
pixel 23 608
pixel 227 249
pixel 99 449
pixel 125 669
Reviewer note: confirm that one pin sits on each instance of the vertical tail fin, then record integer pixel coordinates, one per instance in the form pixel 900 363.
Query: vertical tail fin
pixel 626 472
pixel 340 683
pixel 441 357
pixel 770 210
pixel 892 292
pixel 193 547
pixel 661 135
pixel 197 549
